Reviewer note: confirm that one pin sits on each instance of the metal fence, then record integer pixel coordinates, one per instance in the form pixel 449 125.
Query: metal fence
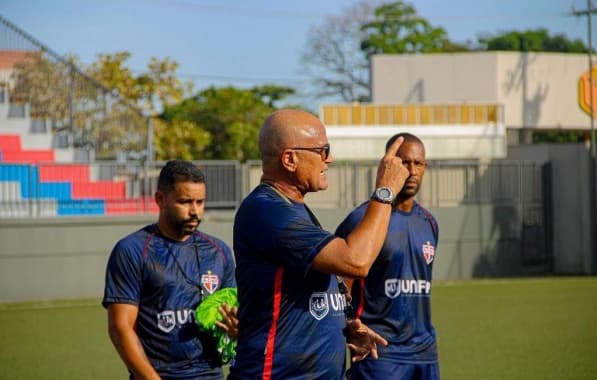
pixel 102 188
pixel 112 188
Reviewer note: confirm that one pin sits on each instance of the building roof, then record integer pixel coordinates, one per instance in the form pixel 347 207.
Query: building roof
pixel 8 58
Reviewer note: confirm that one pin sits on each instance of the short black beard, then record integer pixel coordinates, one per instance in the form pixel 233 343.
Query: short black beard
pixel 180 226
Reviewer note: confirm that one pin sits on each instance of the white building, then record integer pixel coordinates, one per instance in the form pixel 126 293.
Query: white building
pixel 467 105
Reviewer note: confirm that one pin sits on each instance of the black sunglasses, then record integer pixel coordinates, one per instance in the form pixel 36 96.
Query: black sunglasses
pixel 323 151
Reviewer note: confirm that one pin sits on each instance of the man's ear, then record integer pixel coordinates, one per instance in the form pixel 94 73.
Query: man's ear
pixel 288 160
pixel 159 198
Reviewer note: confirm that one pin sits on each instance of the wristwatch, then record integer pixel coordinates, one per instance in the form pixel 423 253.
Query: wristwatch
pixel 383 195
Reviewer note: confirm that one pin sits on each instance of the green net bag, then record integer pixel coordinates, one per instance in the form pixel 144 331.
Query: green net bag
pixel 207 314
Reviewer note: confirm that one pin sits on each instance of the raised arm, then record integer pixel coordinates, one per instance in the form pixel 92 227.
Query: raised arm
pixel 354 255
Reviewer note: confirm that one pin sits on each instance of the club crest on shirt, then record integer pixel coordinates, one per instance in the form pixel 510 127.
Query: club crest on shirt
pixel 392 288
pixel 166 321
pixel 210 282
pixel 428 252
pixel 318 305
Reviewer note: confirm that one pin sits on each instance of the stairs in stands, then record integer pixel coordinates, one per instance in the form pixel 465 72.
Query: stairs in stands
pixel 32 183
pixel 38 176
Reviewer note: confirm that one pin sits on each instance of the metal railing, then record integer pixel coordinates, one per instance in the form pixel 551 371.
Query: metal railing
pixel 102 188
pixel 446 184
pixel 111 188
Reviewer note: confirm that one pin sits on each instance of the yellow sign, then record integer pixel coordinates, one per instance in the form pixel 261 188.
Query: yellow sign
pixel 584 92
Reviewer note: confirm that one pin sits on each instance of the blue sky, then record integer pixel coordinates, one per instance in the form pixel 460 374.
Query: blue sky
pixel 221 42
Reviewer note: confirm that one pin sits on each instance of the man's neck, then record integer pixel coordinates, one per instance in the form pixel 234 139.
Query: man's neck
pixel 285 189
pixel 166 231
pixel 405 205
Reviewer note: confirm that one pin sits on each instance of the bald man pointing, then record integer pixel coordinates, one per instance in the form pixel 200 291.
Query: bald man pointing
pixel 293 311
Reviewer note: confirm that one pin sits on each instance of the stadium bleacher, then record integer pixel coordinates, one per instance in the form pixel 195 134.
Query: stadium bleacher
pixel 61 189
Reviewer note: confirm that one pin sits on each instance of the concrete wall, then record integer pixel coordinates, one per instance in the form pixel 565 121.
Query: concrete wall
pixel 64 258
pixel 538 90
pixel 572 230
pixel 43 259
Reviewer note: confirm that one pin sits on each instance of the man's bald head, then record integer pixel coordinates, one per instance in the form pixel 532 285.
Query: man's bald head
pixel 286 128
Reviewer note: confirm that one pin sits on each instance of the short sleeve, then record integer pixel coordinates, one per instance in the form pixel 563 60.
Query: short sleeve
pixel 350 222
pixel 123 275
pixel 229 279
pixel 298 240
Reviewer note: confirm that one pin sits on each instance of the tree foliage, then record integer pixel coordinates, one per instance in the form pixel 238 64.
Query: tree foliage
pixel 398 29
pixel 336 53
pixel 106 106
pixel 151 90
pixel 227 119
pixel 559 137
pixel 532 40
pixel 69 101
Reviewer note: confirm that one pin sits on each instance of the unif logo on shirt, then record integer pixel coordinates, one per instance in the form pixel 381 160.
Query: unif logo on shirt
pixel 392 288
pixel 169 319
pixel 166 321
pixel 318 305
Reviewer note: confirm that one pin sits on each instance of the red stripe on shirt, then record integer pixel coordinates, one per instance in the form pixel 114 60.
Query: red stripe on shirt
pixel 361 298
pixel 271 337
pixel 147 241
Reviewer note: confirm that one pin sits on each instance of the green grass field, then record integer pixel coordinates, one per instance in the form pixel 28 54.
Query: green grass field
pixel 494 329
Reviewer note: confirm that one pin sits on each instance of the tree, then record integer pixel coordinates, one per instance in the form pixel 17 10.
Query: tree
pixel 180 139
pixel 336 53
pixel 398 29
pixel 106 106
pixel 150 92
pixel 332 55
pixel 228 119
pixel 532 40
pixel 43 83
pixel 560 136
pixel 60 94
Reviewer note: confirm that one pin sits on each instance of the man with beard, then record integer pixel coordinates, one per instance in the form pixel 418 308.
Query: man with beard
pixel 155 279
pixel 394 298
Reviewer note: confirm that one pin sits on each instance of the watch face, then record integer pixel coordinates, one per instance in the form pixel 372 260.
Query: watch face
pixel 384 193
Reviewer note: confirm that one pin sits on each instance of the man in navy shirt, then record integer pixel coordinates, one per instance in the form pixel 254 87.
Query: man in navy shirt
pixel 394 299
pixel 155 279
pixel 291 313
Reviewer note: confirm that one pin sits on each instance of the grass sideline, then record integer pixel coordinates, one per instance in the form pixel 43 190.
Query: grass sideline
pixel 539 328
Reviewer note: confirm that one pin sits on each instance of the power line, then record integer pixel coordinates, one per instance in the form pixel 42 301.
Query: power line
pixel 226 78
pixel 223 78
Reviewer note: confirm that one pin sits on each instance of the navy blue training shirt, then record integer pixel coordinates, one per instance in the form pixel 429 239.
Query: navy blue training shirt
pixel 291 317
pixel 167 279
pixel 394 299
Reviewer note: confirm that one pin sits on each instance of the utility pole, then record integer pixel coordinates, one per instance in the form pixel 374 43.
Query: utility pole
pixel 588 12
pixel 593 165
